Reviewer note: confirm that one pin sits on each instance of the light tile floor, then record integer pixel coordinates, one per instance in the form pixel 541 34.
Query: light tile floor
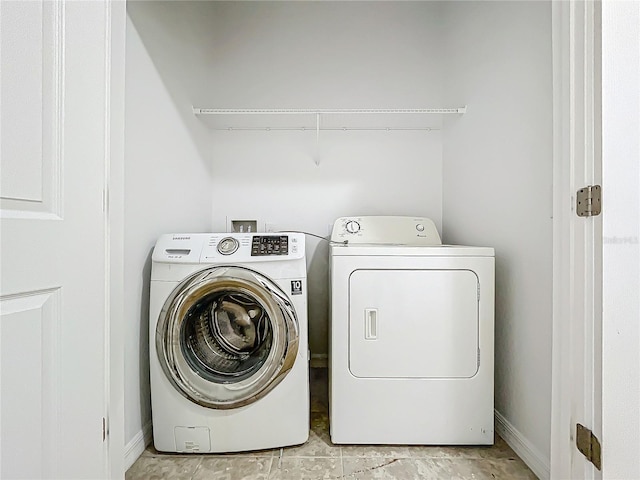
pixel 318 458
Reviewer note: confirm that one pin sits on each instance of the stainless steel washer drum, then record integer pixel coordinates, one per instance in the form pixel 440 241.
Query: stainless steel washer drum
pixel 226 336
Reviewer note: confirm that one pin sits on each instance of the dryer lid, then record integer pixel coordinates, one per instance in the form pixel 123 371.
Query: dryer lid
pixel 355 250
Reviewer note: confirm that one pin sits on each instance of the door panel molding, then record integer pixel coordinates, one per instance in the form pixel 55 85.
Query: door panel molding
pixel 32 112
pixel 30 325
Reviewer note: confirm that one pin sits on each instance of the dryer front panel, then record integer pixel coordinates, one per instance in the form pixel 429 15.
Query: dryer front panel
pixel 226 336
pixel 413 323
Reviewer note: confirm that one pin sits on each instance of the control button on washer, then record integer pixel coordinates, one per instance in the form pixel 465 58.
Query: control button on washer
pixel 420 227
pixel 228 245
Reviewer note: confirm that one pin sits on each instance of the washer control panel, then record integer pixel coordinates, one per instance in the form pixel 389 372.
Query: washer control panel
pixel 385 230
pixel 262 245
pixel 229 248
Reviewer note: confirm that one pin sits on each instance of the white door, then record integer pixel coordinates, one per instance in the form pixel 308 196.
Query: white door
pixel 53 291
pixel 621 252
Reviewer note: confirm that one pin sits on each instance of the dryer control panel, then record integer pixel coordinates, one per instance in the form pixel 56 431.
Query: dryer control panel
pixel 386 230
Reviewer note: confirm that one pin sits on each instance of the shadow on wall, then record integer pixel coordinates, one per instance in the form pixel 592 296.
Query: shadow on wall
pixel 145 397
pixel 318 298
pixel 166 32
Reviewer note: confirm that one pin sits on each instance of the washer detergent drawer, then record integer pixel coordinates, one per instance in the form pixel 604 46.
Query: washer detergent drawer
pixel 413 323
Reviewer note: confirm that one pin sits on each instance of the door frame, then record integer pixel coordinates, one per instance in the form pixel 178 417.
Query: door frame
pixel 116 17
pixel 577 242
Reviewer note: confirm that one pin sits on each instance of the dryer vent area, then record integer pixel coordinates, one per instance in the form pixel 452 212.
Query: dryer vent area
pixel 318 458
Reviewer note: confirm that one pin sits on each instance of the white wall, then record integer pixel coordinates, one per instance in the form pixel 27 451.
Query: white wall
pixel 497 185
pixel 325 55
pixel 167 189
pixel 621 231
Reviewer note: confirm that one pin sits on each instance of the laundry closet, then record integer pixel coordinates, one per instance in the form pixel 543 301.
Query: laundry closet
pixel 434 109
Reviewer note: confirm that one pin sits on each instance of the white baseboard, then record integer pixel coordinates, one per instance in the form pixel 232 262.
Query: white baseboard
pixel 319 360
pixel 137 445
pixel 535 460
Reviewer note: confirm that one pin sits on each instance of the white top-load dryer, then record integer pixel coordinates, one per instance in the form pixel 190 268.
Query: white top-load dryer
pixel 411 335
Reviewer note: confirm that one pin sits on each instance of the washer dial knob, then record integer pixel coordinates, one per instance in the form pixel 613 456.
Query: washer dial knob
pixel 352 226
pixel 228 245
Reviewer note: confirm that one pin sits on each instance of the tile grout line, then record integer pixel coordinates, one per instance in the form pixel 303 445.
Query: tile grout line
pixel 195 471
pixel 270 466
pixel 280 454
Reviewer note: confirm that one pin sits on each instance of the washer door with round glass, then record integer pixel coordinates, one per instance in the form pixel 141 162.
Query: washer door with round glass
pixel 226 336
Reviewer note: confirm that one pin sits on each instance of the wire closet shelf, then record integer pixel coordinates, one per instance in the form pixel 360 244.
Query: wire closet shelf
pixel 304 119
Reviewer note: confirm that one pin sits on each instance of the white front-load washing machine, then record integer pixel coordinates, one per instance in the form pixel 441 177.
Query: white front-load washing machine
pixel 411 335
pixel 228 342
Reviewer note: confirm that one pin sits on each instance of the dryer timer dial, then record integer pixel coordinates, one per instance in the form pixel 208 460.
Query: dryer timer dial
pixel 352 226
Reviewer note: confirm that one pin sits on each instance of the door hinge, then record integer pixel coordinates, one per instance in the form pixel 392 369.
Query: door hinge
pixel 589 445
pixel 589 201
pixel 104 429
